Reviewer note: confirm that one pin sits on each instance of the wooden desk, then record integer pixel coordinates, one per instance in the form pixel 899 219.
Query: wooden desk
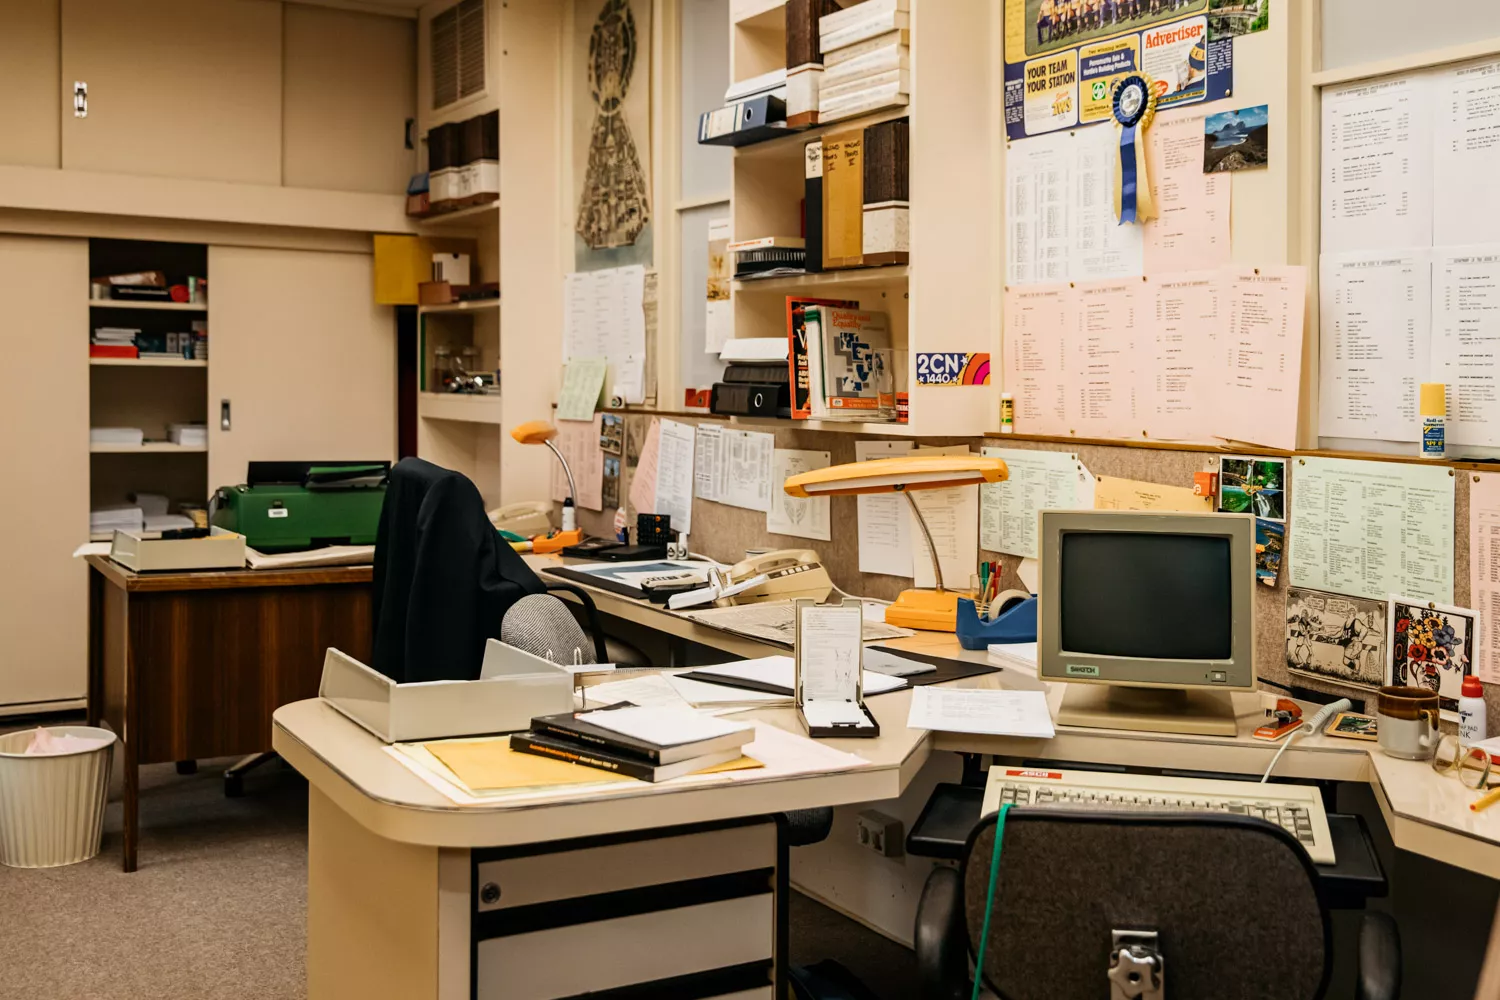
pixel 191 665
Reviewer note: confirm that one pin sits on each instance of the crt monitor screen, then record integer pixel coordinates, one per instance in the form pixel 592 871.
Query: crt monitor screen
pixel 1146 595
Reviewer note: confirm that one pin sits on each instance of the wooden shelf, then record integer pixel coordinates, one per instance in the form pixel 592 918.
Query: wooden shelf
pixel 832 426
pixel 478 305
pixel 200 307
pixel 474 409
pixel 473 217
pixel 790 145
pixel 149 448
pixel 758 13
pixel 146 363
pixel 825 279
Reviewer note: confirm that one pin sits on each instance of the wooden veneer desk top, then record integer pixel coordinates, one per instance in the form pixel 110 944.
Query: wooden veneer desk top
pixel 226 579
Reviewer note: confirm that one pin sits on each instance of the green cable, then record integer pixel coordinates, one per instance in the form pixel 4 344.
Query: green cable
pixel 989 903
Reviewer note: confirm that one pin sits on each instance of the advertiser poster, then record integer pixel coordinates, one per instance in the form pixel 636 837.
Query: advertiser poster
pixel 1062 58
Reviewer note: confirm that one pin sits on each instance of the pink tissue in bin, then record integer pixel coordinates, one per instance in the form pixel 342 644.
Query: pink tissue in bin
pixel 45 743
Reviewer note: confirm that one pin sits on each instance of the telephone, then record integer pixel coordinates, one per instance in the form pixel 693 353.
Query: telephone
pixel 527 518
pixel 778 576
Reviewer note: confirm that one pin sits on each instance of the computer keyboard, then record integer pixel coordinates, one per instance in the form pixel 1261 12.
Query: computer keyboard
pixel 1297 809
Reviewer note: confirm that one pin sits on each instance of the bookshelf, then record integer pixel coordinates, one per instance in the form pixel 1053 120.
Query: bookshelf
pixel 473 217
pixel 192 307
pixel 146 363
pixel 477 305
pixel 149 448
pixel 948 299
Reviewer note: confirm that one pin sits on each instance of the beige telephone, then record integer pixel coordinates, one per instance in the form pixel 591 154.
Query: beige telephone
pixel 787 573
pixel 527 518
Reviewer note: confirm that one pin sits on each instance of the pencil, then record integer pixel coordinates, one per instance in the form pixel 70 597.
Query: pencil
pixel 1485 801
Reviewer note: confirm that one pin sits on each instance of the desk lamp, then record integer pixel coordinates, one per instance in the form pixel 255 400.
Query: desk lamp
pixel 935 609
pixel 541 432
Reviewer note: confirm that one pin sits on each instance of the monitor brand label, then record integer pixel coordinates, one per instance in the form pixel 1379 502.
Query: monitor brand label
pixel 1082 670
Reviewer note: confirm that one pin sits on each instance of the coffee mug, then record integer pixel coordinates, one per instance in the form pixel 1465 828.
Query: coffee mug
pixel 1408 725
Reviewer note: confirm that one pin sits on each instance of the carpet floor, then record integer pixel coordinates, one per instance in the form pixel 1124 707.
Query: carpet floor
pixel 217 909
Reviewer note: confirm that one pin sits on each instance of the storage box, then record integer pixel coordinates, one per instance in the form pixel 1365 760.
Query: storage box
pixel 222 549
pixel 514 686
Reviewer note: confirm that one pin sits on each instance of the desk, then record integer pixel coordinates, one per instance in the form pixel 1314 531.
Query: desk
pixel 191 665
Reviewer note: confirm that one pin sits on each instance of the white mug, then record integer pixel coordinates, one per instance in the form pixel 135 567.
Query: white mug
pixel 1408 722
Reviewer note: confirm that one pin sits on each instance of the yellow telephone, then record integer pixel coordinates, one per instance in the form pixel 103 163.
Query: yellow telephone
pixel 528 518
pixel 787 573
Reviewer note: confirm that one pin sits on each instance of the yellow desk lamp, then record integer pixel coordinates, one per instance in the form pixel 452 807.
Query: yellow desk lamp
pixel 936 609
pixel 541 432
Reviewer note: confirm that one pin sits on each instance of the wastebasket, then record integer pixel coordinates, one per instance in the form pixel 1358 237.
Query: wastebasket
pixel 52 806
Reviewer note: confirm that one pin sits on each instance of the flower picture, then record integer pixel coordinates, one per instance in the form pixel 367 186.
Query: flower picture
pixel 1431 646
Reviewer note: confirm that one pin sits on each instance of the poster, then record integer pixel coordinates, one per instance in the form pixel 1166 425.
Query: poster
pixel 1063 57
pixel 611 133
pixel 1431 646
pixel 1335 638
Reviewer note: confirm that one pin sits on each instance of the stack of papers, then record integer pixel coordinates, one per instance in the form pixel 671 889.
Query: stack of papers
pixel 167 522
pixel 117 435
pixel 114 335
pixel 664 726
pixel 1015 655
pixel 987 712
pixel 781 672
pixel 123 517
pixel 190 435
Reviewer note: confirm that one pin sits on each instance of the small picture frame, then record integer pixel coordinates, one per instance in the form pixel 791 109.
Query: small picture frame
pixel 1433 646
pixel 829 655
pixel 1353 726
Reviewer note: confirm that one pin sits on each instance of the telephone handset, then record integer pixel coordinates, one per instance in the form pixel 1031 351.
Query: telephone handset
pixel 527 518
pixel 788 573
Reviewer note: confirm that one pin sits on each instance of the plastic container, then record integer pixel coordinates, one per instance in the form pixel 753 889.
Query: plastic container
pixel 1471 721
pixel 52 807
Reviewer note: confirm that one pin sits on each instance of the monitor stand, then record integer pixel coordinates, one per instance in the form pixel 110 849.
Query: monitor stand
pixel 1196 712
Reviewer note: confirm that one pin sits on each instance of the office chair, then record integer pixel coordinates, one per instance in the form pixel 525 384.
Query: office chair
pixel 542 625
pixel 1087 902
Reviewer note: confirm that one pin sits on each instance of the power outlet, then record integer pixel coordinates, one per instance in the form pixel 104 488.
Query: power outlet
pixel 881 833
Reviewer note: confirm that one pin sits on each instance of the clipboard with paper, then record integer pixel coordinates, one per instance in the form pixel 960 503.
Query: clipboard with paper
pixel 829 667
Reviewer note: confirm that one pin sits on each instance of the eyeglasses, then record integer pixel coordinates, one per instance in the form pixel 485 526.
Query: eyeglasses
pixel 1474 766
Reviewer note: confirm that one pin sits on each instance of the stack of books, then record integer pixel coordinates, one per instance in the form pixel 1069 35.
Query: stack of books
pixel 652 744
pixel 113 342
pixel 769 257
pixel 832 362
pixel 107 520
pixel 188 435
pixel 866 59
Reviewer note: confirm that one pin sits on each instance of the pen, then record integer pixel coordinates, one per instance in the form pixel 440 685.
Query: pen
pixel 1485 801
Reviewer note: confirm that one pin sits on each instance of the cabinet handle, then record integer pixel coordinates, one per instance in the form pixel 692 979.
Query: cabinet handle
pixel 223 414
pixel 80 99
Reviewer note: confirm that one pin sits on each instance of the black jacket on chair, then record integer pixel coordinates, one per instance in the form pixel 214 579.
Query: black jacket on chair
pixel 443 578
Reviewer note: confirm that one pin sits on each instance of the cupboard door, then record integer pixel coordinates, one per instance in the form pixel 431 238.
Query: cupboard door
pixel 29 47
pixel 304 357
pixel 44 509
pixel 176 88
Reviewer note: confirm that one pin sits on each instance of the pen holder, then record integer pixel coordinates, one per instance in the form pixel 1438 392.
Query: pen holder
pixel 1017 623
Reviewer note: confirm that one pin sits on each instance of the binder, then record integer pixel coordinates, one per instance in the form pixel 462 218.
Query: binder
pixel 886 234
pixel 843 199
pixel 812 203
pixel 743 122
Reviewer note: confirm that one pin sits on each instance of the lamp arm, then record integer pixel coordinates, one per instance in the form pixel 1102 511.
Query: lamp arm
pixel 937 568
pixel 572 487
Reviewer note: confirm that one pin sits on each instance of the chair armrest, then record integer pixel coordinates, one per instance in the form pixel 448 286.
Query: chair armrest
pixel 590 612
pixel 1379 957
pixel 942 940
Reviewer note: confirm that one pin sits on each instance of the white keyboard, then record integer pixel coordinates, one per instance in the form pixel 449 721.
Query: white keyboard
pixel 1297 809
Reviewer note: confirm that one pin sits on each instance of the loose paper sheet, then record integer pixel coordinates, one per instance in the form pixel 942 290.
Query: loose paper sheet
pixel 976 710
pixel 579 443
pixel 1039 330
pixel 1180 394
pixel 1102 248
pixel 1102 382
pixel 1039 480
pixel 604 316
pixel 1484 571
pixel 1191 231
pixel 884 524
pixel 1466 343
pixel 674 474
pixel 708 461
pixel 1378 165
pixel 718 320
pixel 1112 493
pixel 1375 336
pixel 952 516
pixel 803 517
pixel 1263 351
pixel 1466 136
pixel 583 381
pixel 747 469
pixel 643 479
pixel 1372 529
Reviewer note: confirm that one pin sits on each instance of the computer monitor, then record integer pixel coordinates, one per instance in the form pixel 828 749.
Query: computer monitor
pixel 1148 617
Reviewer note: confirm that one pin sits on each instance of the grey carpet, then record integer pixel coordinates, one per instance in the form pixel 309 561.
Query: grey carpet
pixel 217 909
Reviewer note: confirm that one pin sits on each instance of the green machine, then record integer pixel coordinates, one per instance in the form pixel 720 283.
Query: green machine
pixel 289 506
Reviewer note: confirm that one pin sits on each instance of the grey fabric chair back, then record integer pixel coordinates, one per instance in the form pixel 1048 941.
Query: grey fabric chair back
pixel 542 624
pixel 1233 900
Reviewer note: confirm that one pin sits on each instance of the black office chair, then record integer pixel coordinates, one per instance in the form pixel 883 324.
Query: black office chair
pixel 1095 904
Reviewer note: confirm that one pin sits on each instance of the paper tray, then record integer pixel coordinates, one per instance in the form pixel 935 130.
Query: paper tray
pixel 513 687
pixel 220 550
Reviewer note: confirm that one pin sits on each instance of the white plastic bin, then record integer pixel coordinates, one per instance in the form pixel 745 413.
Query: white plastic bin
pixel 52 807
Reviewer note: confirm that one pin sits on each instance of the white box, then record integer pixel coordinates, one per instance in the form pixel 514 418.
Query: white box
pixel 514 686
pixel 222 549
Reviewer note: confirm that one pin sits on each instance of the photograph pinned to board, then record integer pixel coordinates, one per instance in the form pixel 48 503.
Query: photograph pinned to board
pixel 1252 486
pixel 1353 726
pixel 1270 543
pixel 1227 18
pixel 611 433
pixel 1430 646
pixel 610 484
pixel 1336 638
pixel 1237 140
